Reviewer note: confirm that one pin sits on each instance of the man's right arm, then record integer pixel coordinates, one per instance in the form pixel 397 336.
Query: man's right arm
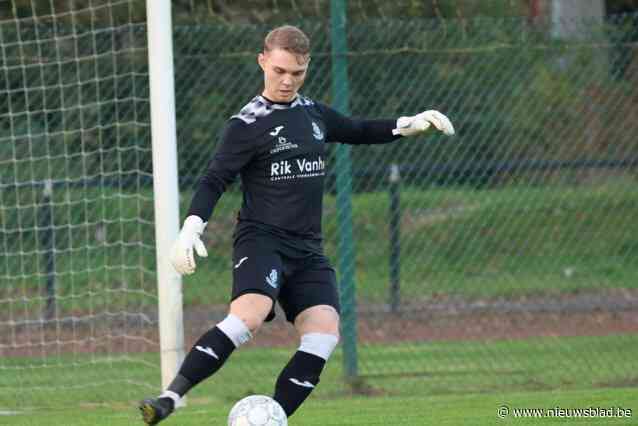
pixel 233 153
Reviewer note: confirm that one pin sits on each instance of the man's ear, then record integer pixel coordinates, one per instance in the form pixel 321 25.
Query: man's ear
pixel 261 60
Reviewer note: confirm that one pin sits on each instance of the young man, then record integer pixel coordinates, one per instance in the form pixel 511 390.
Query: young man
pixel 277 144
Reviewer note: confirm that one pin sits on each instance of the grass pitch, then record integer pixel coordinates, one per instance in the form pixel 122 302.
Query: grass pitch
pixel 435 383
pixel 452 410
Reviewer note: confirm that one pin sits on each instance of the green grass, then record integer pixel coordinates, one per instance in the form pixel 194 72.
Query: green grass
pixel 498 243
pixel 446 381
pixel 509 242
pixel 474 409
pixel 502 243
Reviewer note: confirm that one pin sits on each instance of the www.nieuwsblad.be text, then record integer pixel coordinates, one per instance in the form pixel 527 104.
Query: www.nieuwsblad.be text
pixel 505 411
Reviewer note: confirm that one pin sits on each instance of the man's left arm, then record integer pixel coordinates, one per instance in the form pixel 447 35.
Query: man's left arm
pixel 340 128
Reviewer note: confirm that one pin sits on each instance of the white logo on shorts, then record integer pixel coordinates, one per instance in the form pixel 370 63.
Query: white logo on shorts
pixel 240 262
pixel 272 279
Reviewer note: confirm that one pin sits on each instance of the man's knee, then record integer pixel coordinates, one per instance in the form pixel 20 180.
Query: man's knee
pixel 322 319
pixel 318 328
pixel 253 321
pixel 252 309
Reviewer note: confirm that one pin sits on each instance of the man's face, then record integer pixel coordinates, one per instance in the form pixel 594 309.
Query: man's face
pixel 284 74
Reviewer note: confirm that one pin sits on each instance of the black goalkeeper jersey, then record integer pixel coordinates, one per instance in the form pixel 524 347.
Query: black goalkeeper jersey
pixel 279 150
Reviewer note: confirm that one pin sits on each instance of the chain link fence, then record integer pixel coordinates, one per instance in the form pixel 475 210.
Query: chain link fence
pixel 505 257
pixel 519 227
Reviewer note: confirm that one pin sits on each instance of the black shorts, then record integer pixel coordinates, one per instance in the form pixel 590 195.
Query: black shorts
pixel 297 279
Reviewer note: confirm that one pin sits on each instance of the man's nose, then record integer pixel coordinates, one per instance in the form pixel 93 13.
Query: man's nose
pixel 287 81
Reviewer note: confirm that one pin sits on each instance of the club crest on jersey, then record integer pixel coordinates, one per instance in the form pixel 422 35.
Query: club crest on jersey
pixel 316 132
pixel 282 144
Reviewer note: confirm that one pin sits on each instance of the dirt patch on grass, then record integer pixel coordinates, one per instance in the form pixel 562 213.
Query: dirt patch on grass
pixel 446 319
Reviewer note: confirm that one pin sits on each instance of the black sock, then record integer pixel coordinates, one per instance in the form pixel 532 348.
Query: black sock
pixel 206 357
pixel 297 380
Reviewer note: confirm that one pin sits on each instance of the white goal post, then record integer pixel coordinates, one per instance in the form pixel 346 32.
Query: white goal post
pixel 165 189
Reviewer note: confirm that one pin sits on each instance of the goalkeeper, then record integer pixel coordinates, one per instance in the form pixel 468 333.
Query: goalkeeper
pixel 277 144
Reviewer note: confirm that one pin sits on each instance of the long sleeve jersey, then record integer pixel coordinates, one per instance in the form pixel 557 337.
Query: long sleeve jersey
pixel 279 150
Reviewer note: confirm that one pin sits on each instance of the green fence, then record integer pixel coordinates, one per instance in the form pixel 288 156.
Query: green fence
pixel 503 258
pixel 519 227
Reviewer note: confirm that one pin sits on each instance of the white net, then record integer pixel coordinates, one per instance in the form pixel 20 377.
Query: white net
pixel 77 253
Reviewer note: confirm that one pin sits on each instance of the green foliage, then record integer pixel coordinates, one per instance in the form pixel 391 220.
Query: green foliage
pixel 513 93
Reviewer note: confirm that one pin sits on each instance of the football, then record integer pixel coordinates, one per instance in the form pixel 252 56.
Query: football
pixel 257 410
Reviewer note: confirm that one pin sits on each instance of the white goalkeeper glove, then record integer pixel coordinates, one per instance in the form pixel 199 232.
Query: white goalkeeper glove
pixel 182 256
pixel 408 126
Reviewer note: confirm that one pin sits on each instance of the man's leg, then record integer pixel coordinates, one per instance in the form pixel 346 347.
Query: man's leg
pixel 210 352
pixel 318 328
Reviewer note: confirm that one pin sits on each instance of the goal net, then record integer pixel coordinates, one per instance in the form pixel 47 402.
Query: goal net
pixel 77 250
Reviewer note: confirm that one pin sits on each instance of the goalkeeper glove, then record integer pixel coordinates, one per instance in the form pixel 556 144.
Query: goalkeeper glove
pixel 182 256
pixel 408 126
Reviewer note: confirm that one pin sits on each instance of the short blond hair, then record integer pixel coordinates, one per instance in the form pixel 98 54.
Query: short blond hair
pixel 288 38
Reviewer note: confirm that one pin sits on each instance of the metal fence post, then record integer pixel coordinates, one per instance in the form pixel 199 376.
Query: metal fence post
pixel 47 242
pixel 395 237
pixel 344 193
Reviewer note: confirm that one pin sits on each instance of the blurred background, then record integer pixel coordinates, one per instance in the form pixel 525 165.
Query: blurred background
pixel 505 258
